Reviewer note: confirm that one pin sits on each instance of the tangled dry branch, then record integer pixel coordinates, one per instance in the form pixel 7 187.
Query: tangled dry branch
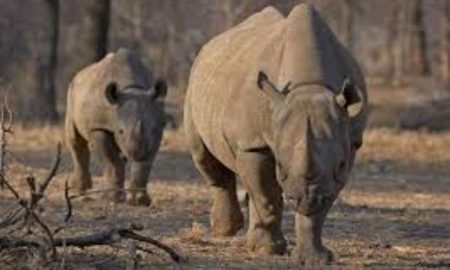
pixel 26 215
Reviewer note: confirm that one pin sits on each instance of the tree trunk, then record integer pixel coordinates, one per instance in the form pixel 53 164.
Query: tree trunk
pixel 96 27
pixel 43 108
pixel 396 42
pixel 171 11
pixel 445 43
pixel 347 23
pixel 418 40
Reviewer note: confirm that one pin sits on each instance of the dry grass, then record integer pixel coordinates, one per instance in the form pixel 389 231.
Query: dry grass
pixel 380 144
pixel 36 137
pixel 406 147
pixel 42 137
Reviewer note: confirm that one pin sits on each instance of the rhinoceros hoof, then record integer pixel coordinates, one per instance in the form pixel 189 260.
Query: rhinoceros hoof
pixel 227 227
pixel 113 197
pixel 263 242
pixel 313 257
pixel 138 199
pixel 79 185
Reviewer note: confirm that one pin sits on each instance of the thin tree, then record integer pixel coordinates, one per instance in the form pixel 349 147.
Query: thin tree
pixel 43 107
pixel 418 40
pixel 445 43
pixel 97 21
pixel 347 23
pixel 396 42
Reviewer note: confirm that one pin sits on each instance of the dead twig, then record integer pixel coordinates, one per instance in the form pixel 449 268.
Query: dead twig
pixel 11 218
pixel 53 170
pixel 9 187
pixel 47 231
pixel 68 202
pixel 68 214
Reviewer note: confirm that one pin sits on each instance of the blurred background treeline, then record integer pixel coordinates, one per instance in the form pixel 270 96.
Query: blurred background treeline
pixel 43 43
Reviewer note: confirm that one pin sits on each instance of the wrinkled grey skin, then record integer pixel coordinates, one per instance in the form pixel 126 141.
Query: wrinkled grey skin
pixel 116 111
pixel 280 103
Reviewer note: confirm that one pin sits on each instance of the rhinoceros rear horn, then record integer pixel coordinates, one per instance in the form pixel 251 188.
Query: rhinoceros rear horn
pixel 350 98
pixel 160 89
pixel 112 93
pixel 269 88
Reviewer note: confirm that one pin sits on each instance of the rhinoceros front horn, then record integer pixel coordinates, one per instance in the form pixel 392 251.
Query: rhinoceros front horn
pixel 350 98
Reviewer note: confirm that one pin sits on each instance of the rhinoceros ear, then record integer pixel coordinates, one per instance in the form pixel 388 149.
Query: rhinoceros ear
pixel 112 93
pixel 350 98
pixel 269 88
pixel 160 89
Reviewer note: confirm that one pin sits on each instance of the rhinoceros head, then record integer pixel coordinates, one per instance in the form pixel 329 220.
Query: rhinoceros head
pixel 312 145
pixel 139 120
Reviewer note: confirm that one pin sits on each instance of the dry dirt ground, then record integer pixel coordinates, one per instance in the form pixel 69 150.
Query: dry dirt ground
pixel 394 212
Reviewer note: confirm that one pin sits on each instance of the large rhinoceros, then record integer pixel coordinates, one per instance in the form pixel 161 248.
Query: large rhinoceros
pixel 280 103
pixel 116 110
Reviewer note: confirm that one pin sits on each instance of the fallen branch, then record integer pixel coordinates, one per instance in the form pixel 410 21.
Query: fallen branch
pixel 132 235
pixel 104 237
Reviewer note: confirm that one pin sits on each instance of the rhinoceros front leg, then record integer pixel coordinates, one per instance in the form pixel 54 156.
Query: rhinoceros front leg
pixel 309 250
pixel 104 146
pixel 266 203
pixel 226 216
pixel 78 147
pixel 137 195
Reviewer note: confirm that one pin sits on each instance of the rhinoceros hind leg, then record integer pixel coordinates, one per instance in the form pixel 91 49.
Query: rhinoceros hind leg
pixel 266 204
pixel 226 216
pixel 103 145
pixel 80 179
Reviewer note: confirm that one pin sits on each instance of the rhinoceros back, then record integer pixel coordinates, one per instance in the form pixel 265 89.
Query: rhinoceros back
pixel 298 49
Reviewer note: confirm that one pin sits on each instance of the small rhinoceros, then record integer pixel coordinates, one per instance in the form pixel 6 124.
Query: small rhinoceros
pixel 280 103
pixel 116 111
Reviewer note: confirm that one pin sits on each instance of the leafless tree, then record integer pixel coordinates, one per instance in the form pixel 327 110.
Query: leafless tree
pixel 42 101
pixel 347 22
pixel 396 41
pixel 418 43
pixel 96 26
pixel 445 42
